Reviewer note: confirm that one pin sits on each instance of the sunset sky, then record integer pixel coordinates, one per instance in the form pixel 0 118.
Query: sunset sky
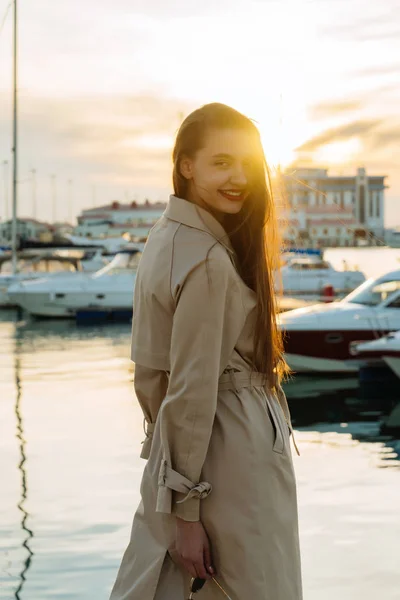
pixel 104 84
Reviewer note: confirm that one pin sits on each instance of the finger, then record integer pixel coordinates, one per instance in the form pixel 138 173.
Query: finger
pixel 208 560
pixel 189 567
pixel 200 568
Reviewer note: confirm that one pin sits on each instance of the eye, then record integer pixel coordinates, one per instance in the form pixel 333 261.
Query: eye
pixel 222 163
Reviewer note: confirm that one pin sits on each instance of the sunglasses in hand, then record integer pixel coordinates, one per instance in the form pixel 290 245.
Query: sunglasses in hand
pixel 196 584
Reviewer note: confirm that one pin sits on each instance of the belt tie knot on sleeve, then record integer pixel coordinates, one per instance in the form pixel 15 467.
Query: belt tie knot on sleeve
pixel 169 479
pixel 201 491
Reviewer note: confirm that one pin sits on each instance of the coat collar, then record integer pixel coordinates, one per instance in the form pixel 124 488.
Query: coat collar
pixel 192 215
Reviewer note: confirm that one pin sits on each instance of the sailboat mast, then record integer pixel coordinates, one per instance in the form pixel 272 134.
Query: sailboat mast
pixel 14 149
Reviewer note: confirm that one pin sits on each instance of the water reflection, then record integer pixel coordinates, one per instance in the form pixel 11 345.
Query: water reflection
pixel 338 405
pixel 71 389
pixel 22 466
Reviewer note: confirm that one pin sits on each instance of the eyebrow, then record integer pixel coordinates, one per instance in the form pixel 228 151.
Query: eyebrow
pixel 222 155
pixel 229 156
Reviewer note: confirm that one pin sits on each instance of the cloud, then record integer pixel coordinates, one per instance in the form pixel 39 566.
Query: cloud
pixel 110 133
pixel 369 28
pixel 118 9
pixel 177 8
pixel 385 138
pixel 371 36
pixel 121 145
pixel 329 108
pixel 377 70
pixel 361 101
pixel 343 132
pixel 378 143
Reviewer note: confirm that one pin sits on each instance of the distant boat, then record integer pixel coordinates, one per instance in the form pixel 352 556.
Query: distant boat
pixel 112 244
pixel 305 251
pixel 110 289
pixel 318 338
pixel 44 265
pixel 385 350
pixel 305 275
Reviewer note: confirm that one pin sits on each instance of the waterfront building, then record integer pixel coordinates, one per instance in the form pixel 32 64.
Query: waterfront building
pixel 324 210
pixel 115 219
pixel 31 229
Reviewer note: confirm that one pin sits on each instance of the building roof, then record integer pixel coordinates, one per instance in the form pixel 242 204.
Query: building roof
pixel 97 215
pixel 28 220
pixel 296 179
pixel 131 206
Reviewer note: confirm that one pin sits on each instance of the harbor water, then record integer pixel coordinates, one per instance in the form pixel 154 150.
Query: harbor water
pixel 71 433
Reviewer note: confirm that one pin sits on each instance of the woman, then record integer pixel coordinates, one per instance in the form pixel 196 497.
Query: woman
pixel 218 490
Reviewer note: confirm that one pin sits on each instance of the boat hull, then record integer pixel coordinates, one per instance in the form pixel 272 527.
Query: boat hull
pixel 393 362
pixel 64 305
pixel 326 351
pixel 313 364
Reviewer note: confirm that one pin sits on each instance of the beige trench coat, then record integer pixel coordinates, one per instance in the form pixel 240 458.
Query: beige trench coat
pixel 217 440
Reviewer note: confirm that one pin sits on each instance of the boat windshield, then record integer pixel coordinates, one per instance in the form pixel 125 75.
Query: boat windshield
pixel 38 265
pixel 308 264
pixel 372 293
pixel 124 262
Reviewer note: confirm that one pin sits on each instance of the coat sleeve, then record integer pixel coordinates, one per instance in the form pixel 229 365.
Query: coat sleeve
pixel 187 414
pixel 150 388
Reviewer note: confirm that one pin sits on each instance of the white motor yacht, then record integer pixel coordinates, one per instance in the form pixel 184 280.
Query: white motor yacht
pixel 109 289
pixel 31 266
pixel 305 275
pixel 318 337
pixel 383 350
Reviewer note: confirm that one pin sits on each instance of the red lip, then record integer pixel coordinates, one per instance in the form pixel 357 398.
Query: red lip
pixel 238 198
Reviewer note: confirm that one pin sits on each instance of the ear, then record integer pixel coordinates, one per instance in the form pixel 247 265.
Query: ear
pixel 186 167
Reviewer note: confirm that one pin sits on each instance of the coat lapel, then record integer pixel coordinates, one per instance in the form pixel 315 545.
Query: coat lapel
pixel 192 215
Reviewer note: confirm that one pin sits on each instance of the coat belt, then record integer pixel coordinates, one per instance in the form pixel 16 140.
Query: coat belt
pixel 237 380
pixel 229 380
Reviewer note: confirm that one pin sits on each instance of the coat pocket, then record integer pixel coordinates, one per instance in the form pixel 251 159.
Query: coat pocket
pixel 279 441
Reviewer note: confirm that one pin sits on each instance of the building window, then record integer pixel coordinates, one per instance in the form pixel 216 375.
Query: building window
pixel 371 203
pixel 338 231
pixel 314 231
pixel 325 232
pixel 378 204
pixel 342 199
pixel 362 204
pixel 353 198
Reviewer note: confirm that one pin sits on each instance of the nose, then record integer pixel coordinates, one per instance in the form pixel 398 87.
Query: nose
pixel 239 176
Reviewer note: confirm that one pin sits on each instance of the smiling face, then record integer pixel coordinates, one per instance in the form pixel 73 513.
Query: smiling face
pixel 219 164
pixel 219 174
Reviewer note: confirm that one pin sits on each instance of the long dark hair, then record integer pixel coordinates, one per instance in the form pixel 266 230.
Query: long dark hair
pixel 253 231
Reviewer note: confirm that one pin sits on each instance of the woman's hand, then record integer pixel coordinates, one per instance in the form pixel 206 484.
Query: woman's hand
pixel 193 548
